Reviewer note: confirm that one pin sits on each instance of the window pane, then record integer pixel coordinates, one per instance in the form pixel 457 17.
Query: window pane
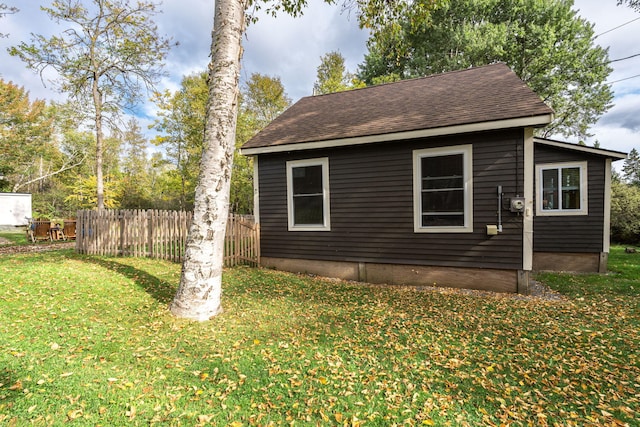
pixel 307 180
pixel 550 189
pixel 308 210
pixel 436 220
pixel 442 166
pixel 571 188
pixel 442 201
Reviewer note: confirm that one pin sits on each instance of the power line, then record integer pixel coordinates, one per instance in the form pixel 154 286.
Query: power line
pixel 615 28
pixel 626 78
pixel 622 59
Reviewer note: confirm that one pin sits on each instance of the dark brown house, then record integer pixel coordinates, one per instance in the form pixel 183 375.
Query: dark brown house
pixel 437 180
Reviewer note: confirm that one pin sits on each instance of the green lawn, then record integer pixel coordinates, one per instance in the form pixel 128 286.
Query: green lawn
pixel 89 341
pixel 14 237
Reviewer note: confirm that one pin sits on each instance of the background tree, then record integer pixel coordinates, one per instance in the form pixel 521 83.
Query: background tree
pixel 6 10
pixel 27 152
pixel 631 168
pixel 263 98
pixel 625 212
pixel 332 74
pixel 200 289
pixel 135 167
pixel 82 186
pixel 634 4
pixel 546 43
pixel 109 54
pixel 181 126
pixel 181 123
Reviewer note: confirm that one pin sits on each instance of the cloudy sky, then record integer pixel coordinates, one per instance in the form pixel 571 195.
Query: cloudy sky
pixel 291 49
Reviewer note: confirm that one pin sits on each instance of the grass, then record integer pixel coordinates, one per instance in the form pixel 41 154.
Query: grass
pixel 15 237
pixel 89 341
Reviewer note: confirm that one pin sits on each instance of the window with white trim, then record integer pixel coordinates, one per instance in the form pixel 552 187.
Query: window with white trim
pixel 308 195
pixel 561 188
pixel 443 189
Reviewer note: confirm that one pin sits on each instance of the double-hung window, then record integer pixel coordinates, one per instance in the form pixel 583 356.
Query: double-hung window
pixel 561 189
pixel 443 189
pixel 308 195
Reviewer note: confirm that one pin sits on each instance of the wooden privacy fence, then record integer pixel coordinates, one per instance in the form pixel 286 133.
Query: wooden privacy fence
pixel 159 234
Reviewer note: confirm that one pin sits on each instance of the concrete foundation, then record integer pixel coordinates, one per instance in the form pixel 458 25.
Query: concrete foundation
pixel 571 262
pixel 397 274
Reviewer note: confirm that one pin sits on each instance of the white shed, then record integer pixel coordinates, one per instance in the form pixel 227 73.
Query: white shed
pixel 14 208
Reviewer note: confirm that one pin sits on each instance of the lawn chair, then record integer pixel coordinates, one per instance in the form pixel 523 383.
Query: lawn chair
pixel 69 229
pixel 41 230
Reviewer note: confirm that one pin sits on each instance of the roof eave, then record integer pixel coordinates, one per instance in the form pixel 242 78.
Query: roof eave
pixel 532 121
pixel 616 155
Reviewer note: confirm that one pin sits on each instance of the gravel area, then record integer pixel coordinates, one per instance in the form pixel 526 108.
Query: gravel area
pixel 537 290
pixel 34 248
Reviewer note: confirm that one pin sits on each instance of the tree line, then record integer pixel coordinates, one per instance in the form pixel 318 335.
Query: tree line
pixel 45 151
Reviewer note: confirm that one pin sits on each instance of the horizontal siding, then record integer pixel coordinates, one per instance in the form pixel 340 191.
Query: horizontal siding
pixel 579 233
pixel 371 188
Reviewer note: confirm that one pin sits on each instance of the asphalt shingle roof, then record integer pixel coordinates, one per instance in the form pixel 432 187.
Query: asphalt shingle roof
pixel 470 96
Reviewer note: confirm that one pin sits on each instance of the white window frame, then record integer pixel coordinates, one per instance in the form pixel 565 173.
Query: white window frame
pixel 467 159
pixel 584 190
pixel 326 223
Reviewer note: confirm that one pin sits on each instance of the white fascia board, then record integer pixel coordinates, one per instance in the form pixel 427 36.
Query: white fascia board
pixel 616 155
pixel 448 130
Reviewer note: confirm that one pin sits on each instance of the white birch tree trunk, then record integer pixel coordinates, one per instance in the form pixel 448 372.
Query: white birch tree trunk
pixel 199 294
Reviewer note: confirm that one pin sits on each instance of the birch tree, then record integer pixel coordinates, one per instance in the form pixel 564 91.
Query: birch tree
pixel 109 54
pixel 199 293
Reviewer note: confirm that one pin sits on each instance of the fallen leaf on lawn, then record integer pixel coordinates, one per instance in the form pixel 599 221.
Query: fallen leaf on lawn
pixel 74 414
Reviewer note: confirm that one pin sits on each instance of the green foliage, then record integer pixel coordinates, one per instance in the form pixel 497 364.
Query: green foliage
pixel 117 49
pixel 107 59
pixel 88 340
pixel 181 124
pixel 546 43
pixel 6 10
pixel 26 144
pixel 332 74
pixel 83 193
pixel 631 168
pixel 182 118
pixel 625 212
pixel 263 98
pixel 136 170
pixel 634 4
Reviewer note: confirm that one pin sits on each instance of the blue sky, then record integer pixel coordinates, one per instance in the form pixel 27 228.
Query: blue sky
pixel 291 49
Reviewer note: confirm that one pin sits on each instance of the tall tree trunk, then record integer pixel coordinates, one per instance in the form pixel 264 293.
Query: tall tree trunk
pixel 198 296
pixel 97 103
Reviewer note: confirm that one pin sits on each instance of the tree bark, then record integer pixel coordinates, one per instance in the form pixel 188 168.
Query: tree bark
pixel 97 103
pixel 199 294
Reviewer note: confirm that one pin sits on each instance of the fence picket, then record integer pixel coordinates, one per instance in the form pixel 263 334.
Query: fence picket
pixel 160 234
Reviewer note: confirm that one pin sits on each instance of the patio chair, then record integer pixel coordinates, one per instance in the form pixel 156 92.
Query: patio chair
pixel 69 229
pixel 41 230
